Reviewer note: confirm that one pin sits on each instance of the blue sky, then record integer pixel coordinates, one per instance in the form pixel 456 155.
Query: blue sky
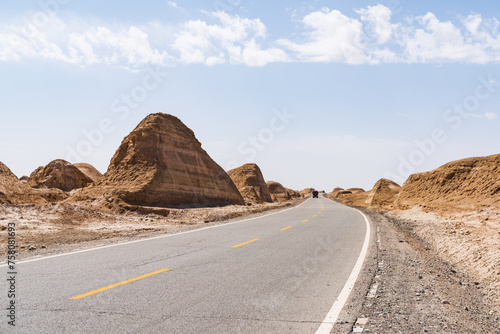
pixel 318 93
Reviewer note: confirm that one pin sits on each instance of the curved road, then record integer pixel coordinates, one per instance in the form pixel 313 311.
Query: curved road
pixel 279 273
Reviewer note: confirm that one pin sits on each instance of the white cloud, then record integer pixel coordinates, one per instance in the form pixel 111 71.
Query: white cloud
pixel 487 115
pixel 233 40
pixel 172 4
pixel 327 36
pixel 490 116
pixel 334 38
pixel 378 22
pixel 438 41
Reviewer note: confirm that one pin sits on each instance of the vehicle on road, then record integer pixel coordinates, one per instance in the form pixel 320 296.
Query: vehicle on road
pixel 315 194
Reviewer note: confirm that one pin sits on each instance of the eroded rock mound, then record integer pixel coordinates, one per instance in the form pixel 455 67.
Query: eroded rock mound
pixel 278 192
pixel 90 171
pixel 161 163
pixel 384 194
pixel 306 192
pixel 58 174
pixel 356 190
pixel 467 184
pixel 13 191
pixel 293 193
pixel 250 183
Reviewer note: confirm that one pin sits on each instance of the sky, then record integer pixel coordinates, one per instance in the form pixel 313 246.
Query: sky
pixel 319 94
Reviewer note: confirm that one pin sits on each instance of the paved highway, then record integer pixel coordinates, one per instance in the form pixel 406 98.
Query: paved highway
pixel 279 273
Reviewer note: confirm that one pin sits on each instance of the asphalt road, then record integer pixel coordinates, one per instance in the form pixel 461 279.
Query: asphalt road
pixel 278 273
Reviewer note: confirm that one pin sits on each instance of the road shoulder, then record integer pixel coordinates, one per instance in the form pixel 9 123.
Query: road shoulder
pixel 413 291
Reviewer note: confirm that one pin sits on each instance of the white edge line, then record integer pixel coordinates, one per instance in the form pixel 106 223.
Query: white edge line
pixel 152 238
pixel 332 315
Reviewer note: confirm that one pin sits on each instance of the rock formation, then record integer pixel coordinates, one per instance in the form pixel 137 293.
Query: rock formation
pixel 161 163
pixel 58 174
pixel 90 171
pixel 250 183
pixel 278 192
pixel 293 193
pixel 462 185
pixel 306 192
pixel 13 191
pixel 384 194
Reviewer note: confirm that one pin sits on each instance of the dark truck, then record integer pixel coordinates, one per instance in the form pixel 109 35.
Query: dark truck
pixel 315 194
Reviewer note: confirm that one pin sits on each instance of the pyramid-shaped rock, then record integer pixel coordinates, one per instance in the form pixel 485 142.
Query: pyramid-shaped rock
pixel 384 194
pixel 161 163
pixel 251 184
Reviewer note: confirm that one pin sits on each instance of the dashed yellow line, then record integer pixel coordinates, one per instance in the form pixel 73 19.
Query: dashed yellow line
pixel 286 228
pixel 314 215
pixel 236 246
pixel 118 284
pixel 305 220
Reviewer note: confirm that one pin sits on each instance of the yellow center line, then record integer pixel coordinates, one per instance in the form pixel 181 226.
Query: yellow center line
pixel 118 284
pixel 314 215
pixel 244 243
pixel 322 206
pixel 286 228
pixel 305 220
pixel 320 211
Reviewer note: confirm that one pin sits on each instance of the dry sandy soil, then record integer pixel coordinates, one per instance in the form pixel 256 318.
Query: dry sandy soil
pixel 469 241
pixel 413 290
pixel 61 227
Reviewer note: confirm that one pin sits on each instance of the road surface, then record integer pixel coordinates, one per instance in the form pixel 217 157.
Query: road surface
pixel 279 273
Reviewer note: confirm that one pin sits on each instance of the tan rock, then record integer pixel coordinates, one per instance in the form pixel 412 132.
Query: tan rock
pixel 306 192
pixel 468 184
pixel 90 171
pixel 13 191
pixel 384 194
pixel 278 192
pixel 161 163
pixel 250 183
pixel 58 174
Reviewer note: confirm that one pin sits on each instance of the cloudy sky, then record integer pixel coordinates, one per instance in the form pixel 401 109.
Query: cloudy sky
pixel 318 93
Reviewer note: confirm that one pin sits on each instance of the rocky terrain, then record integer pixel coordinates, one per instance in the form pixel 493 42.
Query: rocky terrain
pixel 454 209
pixel 278 192
pixel 250 183
pixel 59 174
pixel 383 195
pixel 159 180
pixel 161 163
pixel 13 191
pixel 90 171
pixel 464 185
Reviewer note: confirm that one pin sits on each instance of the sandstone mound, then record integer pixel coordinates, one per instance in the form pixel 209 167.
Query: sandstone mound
pixel 250 183
pixel 293 193
pixel 90 171
pixel 356 190
pixel 58 174
pixel 467 184
pixel 161 163
pixel 278 192
pixel 383 194
pixel 335 192
pixel 13 191
pixel 306 192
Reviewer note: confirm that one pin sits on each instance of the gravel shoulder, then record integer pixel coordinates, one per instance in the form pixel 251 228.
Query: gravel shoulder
pixel 412 290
